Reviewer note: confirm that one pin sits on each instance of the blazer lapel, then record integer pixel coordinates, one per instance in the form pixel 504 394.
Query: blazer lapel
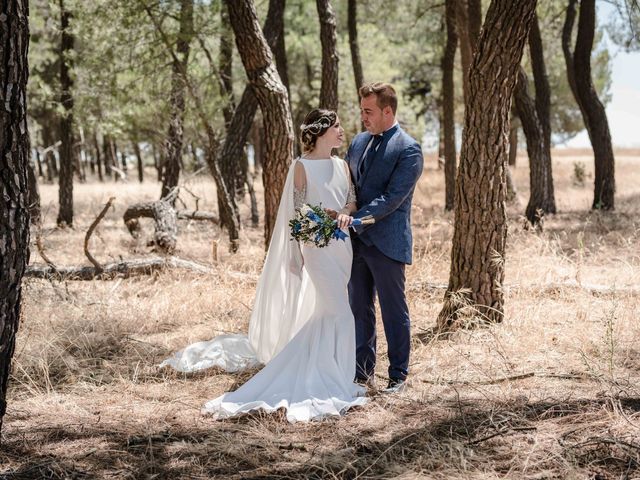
pixel 382 148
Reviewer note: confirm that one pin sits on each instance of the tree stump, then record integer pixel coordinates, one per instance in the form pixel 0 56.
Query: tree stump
pixel 165 218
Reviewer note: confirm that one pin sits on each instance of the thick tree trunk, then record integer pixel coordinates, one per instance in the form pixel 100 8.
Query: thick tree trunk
pixel 232 158
pixel 173 146
pixel 593 110
pixel 274 33
pixel 448 104
pixel 14 160
pixel 567 50
pixel 273 100
pixel 477 253
pixel 539 198
pixel 65 192
pixel 329 84
pixel 352 24
pixel 543 108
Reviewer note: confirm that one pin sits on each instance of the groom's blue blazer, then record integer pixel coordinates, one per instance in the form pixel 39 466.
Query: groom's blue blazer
pixel 385 190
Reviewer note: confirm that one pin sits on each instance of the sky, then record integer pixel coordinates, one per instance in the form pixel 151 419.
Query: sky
pixel 623 111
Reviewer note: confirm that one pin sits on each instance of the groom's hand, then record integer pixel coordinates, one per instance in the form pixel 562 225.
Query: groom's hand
pixel 344 221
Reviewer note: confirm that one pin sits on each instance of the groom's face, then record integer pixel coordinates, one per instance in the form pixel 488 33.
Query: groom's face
pixel 373 117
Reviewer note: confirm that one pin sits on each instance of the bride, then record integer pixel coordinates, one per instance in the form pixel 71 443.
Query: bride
pixel 301 325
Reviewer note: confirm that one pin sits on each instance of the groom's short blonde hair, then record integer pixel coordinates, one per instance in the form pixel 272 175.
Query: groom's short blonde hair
pixel 384 92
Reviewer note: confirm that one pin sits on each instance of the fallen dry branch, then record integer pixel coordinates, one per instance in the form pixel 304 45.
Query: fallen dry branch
pixel 542 289
pixel 197 215
pixel 92 227
pixel 125 269
pixel 165 218
pixel 493 381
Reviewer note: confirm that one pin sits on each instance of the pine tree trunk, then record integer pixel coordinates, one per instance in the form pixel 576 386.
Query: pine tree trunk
pixel 593 110
pixel 352 24
pixel 232 158
pixel 477 253
pixel 96 147
pixel 329 84
pixel 273 100
pixel 274 33
pixel 173 146
pixel 543 108
pixel 136 150
pixel 65 192
pixel 567 41
pixel 225 67
pixel 538 156
pixel 466 49
pixel 34 195
pixel 513 140
pixel 448 104
pixel 14 159
pixel 39 163
pixel 474 9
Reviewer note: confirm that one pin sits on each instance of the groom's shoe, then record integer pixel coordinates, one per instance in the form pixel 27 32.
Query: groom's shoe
pixel 396 385
pixel 365 382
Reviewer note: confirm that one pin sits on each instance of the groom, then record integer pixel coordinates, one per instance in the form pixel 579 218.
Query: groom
pixel 385 164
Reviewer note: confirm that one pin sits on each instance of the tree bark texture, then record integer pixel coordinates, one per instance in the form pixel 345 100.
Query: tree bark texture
pixel 477 254
pixel 174 141
pixel 448 104
pixel 14 160
pixel 593 111
pixel 539 160
pixel 328 39
pixel 65 192
pixel 543 107
pixel 225 67
pixel 273 100
pixel 352 25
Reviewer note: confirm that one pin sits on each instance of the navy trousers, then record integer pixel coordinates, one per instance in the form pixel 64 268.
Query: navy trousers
pixel 372 272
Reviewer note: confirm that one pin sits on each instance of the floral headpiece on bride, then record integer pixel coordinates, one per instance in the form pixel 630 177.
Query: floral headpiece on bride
pixel 316 123
pixel 316 127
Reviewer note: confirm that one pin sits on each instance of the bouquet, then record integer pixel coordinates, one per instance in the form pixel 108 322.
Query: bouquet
pixel 312 225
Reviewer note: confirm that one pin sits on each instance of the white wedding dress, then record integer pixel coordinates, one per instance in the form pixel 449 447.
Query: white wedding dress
pixel 301 326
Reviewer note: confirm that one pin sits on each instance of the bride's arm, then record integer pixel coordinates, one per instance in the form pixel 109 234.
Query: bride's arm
pixel 344 218
pixel 299 197
pixel 299 185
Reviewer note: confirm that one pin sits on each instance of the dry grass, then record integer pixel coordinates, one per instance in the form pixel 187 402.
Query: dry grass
pixel 552 392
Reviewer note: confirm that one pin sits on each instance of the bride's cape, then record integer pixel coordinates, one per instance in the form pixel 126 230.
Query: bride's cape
pixel 283 303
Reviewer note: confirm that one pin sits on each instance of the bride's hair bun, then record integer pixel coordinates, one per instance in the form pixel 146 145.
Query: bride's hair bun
pixel 316 123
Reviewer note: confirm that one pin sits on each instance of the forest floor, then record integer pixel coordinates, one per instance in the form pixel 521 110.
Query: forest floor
pixel 551 392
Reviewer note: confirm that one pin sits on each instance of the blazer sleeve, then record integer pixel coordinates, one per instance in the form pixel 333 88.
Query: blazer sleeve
pixel 401 184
